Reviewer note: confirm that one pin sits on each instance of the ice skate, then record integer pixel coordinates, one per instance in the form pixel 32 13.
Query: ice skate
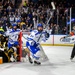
pixel 30 60
pixel 71 59
pixel 37 63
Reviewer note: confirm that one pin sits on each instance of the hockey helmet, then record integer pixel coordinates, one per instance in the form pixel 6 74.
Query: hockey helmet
pixel 40 29
pixel 18 21
pixel 39 25
pixel 14 24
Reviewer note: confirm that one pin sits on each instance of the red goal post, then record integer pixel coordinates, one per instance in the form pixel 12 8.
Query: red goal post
pixel 22 42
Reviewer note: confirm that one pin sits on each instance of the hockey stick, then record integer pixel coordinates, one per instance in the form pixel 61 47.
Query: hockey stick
pixel 44 55
pixel 25 38
pixel 51 13
pixel 53 8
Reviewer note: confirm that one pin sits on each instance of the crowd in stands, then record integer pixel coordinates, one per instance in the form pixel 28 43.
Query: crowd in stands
pixel 30 14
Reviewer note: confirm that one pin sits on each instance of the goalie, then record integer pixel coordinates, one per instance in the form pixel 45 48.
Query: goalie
pixel 71 34
pixel 33 44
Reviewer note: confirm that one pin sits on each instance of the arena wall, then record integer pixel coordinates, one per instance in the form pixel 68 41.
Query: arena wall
pixel 54 40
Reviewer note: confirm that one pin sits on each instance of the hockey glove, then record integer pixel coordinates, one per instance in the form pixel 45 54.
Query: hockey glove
pixel 31 43
pixel 46 35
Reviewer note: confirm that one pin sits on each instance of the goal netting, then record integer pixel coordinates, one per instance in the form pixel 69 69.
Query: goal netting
pixel 22 42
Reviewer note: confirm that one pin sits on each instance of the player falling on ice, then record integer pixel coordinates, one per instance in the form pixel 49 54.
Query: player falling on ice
pixel 33 44
pixel 71 34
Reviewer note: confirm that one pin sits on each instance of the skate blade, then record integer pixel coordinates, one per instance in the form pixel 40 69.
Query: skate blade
pixel 36 64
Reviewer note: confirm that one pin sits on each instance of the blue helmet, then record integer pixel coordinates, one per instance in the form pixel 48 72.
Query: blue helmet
pixel 18 21
pixel 14 24
pixel 39 25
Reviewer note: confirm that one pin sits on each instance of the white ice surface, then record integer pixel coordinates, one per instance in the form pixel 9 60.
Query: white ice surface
pixel 59 64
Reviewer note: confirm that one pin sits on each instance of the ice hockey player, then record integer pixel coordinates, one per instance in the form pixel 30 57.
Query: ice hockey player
pixel 13 35
pixel 2 49
pixel 33 43
pixel 5 53
pixel 71 34
pixel 13 42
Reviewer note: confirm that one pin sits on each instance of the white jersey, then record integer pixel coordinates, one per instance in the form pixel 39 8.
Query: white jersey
pixel 34 39
pixel 13 35
pixel 37 36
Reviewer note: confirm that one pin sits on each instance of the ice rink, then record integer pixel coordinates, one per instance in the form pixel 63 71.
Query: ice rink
pixel 59 64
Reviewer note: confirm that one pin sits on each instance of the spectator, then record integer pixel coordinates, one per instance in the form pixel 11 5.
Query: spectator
pixel 25 4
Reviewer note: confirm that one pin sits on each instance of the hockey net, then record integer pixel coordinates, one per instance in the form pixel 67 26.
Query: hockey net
pixel 22 43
